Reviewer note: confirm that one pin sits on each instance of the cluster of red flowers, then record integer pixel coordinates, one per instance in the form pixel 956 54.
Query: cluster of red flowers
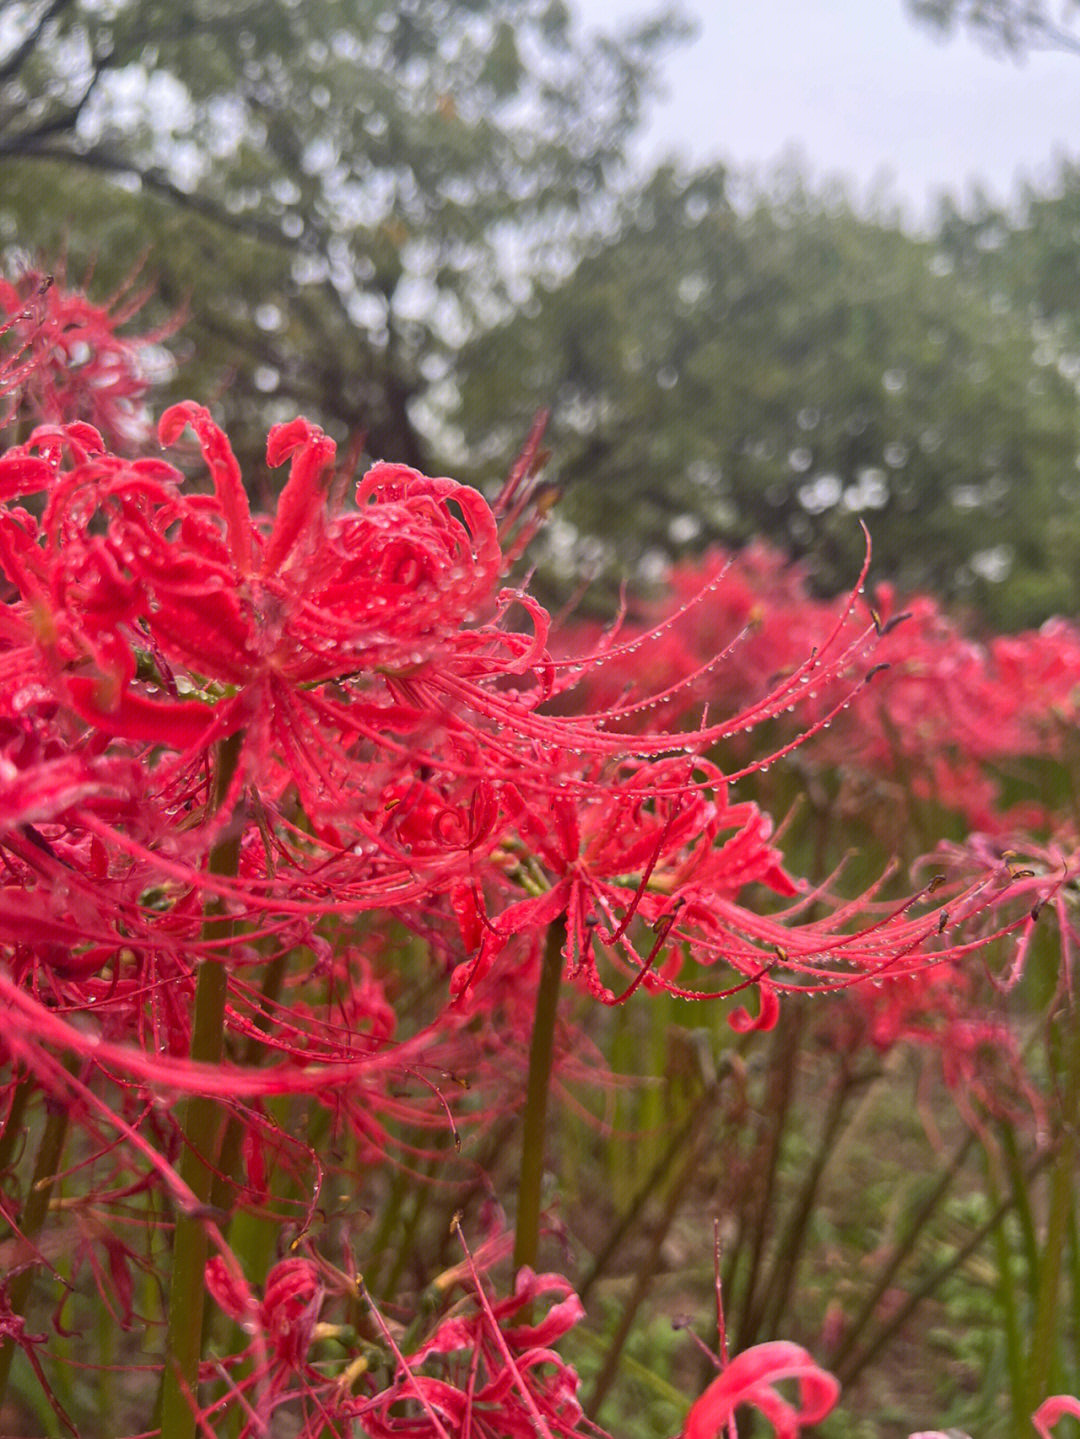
pixel 65 357
pixel 946 715
pixel 240 741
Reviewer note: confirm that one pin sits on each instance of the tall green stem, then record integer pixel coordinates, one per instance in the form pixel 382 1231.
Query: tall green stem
pixel 848 1371
pixel 541 1050
pixel 1007 1301
pixel 32 1217
pixel 12 1132
pixel 902 1250
pixel 1045 1334
pixel 201 1121
pixel 648 1265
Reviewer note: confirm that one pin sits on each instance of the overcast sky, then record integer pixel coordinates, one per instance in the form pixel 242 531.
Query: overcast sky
pixel 861 91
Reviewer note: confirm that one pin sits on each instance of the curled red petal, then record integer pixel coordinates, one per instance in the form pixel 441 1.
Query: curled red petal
pixel 1051 1410
pixel 301 500
pixel 224 1287
pixel 742 1021
pixel 228 482
pixel 751 1378
pixel 179 723
pixel 23 475
pixel 290 1308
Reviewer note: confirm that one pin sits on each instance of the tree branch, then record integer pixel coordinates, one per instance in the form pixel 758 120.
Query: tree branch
pixel 15 61
pixel 157 183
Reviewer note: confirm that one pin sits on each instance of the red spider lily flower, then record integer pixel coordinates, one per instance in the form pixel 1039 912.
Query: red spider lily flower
pixel 946 710
pixel 82 367
pixel 499 1378
pixel 127 575
pixel 350 649
pixel 287 1313
pixel 19 359
pixel 751 1378
pixel 1051 1410
pixel 632 848
pixel 283 1326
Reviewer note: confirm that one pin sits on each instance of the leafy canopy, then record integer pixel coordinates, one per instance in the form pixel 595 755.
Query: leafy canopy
pixel 782 367
pixel 340 190
pixel 1010 26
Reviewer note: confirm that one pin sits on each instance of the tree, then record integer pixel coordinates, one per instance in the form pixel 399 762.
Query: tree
pixel 783 368
pixel 340 190
pixel 1011 26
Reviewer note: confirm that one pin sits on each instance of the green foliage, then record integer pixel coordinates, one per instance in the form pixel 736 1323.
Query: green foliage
pixel 340 190
pixel 417 222
pixel 724 370
pixel 1010 26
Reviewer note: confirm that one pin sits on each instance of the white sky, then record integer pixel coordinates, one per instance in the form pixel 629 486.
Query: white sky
pixel 861 91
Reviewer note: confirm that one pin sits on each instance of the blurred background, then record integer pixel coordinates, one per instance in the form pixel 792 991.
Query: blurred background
pixel 773 268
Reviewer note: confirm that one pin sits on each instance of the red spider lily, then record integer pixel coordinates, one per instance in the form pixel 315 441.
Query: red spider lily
pixel 285 1318
pixel 500 1379
pixel 751 1378
pixel 126 574
pixel 603 858
pixel 1051 1410
pixel 354 650
pixel 366 661
pixel 951 1011
pixel 939 1012
pixel 478 1371
pixel 78 366
pixel 20 359
pixel 946 710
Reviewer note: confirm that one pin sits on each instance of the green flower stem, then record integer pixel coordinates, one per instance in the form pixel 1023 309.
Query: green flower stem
pixel 1014 1169
pixel 389 1216
pixel 224 1187
pixel 410 1229
pixel 1045 1330
pixel 32 1217
pixel 200 1125
pixel 1074 1287
pixel 13 1121
pixel 848 1371
pixel 648 1266
pixel 903 1248
pixel 1007 1300
pixel 541 1050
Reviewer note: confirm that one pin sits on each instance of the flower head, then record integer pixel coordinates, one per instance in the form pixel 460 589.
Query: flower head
pixel 68 360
